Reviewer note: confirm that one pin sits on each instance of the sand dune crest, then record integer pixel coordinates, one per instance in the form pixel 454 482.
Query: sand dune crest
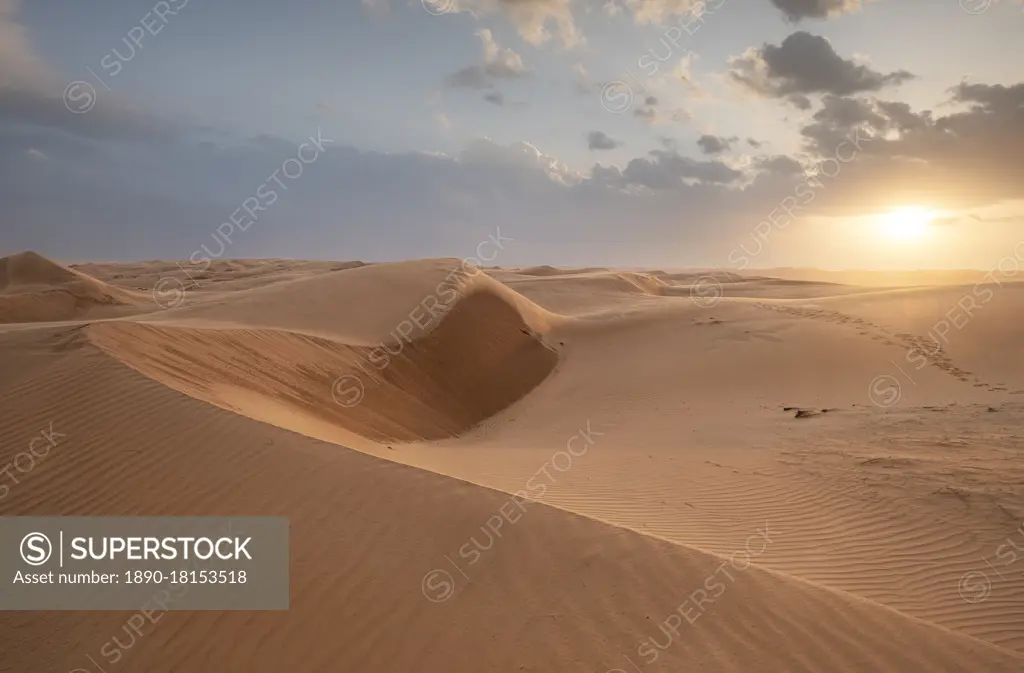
pixel 482 357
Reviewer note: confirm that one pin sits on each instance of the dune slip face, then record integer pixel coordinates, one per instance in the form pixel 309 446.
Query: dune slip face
pixel 479 359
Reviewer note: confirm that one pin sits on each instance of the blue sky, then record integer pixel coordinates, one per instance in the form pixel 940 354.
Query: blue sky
pixel 445 124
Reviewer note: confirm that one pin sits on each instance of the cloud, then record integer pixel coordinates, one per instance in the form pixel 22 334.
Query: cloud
pixel 598 140
pixel 667 169
pixel 534 19
pixel 584 85
pixel 31 92
pixel 20 67
pixel 649 113
pixel 991 97
pixel 36 155
pixel 779 164
pixel 806 64
pixel 164 198
pixel 714 144
pixel 662 11
pixel 965 158
pixel 796 10
pixel 498 63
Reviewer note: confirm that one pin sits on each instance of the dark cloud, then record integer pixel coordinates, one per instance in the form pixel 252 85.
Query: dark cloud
pixel 806 64
pixel 651 115
pixel 779 164
pixel 647 114
pixel 495 97
pixel 714 144
pixel 109 116
pixel 962 159
pixel 667 169
pixel 796 10
pixel 599 140
pixel 470 77
pixel 135 200
pixel 991 97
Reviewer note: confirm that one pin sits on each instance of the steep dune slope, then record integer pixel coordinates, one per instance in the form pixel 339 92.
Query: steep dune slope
pixel 481 356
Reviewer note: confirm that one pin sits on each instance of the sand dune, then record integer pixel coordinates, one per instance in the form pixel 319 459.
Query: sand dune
pixel 557 591
pixel 35 289
pixel 546 270
pixel 481 357
pixel 701 523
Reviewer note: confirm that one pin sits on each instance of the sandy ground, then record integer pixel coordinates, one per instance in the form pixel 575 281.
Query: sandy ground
pixel 535 469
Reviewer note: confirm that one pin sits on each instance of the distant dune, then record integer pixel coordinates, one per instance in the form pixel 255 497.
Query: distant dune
pixel 554 271
pixel 875 278
pixel 35 289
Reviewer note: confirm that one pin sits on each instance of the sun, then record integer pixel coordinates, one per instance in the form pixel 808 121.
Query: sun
pixel 908 223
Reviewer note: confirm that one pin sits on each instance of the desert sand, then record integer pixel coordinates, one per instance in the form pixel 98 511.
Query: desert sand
pixel 650 471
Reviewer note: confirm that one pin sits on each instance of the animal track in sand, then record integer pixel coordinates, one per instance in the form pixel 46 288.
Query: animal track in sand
pixel 928 349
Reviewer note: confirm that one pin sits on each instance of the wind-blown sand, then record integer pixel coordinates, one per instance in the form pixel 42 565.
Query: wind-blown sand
pixel 770 476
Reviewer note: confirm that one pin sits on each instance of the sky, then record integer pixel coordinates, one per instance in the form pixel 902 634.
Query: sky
pixel 873 134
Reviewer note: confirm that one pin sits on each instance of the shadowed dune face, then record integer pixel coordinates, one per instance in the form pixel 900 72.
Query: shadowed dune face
pixel 481 358
pixel 32 269
pixel 35 289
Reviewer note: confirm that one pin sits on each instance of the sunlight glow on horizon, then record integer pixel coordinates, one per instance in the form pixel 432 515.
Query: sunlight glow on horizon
pixel 907 223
